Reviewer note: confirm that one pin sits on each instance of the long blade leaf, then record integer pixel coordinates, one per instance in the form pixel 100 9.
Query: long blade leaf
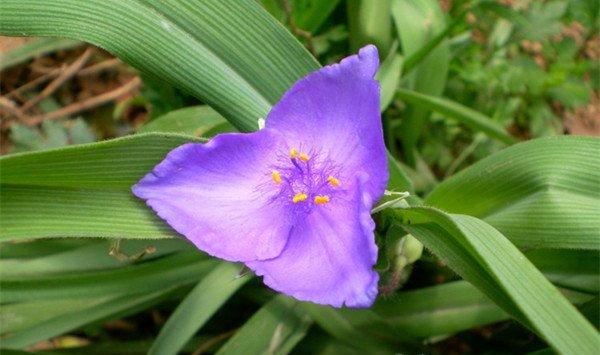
pixel 541 193
pixel 195 310
pixel 230 54
pixel 484 257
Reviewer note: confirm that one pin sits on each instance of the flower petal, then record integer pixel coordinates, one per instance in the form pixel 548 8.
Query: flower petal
pixel 336 110
pixel 329 256
pixel 210 193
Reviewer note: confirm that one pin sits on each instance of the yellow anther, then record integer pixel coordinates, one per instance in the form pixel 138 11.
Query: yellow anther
pixel 304 157
pixel 321 199
pixel 293 153
pixel 300 196
pixel 333 181
pixel 276 176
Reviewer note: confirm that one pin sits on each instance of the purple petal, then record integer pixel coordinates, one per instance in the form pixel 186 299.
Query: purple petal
pixel 329 256
pixel 335 111
pixel 208 192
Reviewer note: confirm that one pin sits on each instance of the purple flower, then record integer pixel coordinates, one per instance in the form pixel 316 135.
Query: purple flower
pixel 293 200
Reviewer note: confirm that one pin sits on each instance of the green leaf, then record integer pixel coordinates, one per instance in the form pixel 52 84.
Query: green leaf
pixel 311 14
pixel 20 316
pixel 438 310
pixel 93 256
pixel 389 77
pixel 334 322
pixel 112 165
pixel 83 191
pixel 469 117
pixel 275 329
pixel 398 181
pixel 369 22
pixel 484 257
pixel 195 121
pixel 417 22
pixel 198 306
pixel 34 48
pixel 173 270
pixel 75 318
pixel 230 54
pixel 540 194
pixel 38 248
pixel 418 56
pixel 443 309
pixel 573 269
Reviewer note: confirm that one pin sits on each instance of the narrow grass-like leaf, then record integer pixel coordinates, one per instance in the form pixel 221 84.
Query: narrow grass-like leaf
pixel 195 121
pixel 195 310
pixel 308 15
pixel 469 117
pixel 38 248
pixel 541 193
pixel 94 256
pixel 389 77
pixel 418 56
pixel 230 54
pixel 274 329
pixel 116 307
pixel 178 269
pixel 573 269
pixel 83 191
pixel 311 14
pixel 341 328
pixel 398 181
pixel 417 22
pixel 41 212
pixel 484 257
pixel 112 165
pixel 20 316
pixel 438 310
pixel 444 309
pixel 370 22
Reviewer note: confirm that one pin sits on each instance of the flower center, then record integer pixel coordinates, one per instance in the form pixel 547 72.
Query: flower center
pixel 305 180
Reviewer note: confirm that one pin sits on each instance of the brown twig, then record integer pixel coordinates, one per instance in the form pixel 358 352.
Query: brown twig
pixel 98 67
pixel 18 97
pixel 34 83
pixel 65 75
pixel 287 8
pixel 92 69
pixel 36 67
pixel 90 103
pixel 10 107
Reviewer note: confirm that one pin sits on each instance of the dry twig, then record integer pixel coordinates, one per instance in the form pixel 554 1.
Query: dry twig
pixel 65 75
pixel 8 106
pixel 98 67
pixel 90 70
pixel 87 104
pixel 34 83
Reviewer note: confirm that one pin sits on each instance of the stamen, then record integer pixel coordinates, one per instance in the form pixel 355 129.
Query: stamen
pixel 321 199
pixel 276 176
pixel 300 196
pixel 333 181
pixel 304 157
pixel 293 153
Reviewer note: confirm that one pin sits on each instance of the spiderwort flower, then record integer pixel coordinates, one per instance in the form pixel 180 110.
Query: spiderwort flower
pixel 293 200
